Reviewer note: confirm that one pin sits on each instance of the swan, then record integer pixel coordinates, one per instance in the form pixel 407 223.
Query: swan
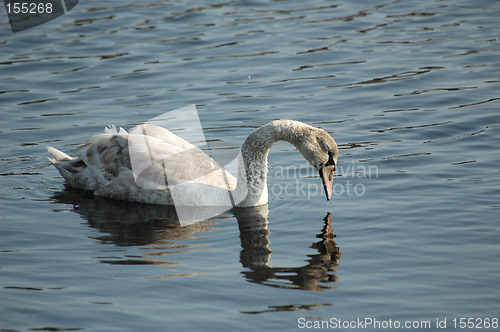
pixel 150 164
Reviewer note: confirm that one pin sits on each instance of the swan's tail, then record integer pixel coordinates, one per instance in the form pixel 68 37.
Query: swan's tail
pixel 57 155
pixel 71 168
pixel 64 163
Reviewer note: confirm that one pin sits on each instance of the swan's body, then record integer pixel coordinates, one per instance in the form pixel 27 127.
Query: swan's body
pixel 172 171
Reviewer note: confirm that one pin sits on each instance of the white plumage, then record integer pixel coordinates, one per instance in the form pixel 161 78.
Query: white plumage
pixel 153 165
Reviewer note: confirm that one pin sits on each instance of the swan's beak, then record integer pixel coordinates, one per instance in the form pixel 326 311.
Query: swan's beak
pixel 326 174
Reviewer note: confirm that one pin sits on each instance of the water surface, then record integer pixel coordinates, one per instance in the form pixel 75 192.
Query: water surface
pixel 409 90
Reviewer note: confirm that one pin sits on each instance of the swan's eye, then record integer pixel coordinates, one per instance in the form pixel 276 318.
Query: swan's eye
pixel 330 161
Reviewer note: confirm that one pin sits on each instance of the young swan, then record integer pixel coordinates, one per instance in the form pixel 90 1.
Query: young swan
pixel 188 176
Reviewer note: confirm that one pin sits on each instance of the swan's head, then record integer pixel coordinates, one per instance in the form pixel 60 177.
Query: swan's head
pixel 321 151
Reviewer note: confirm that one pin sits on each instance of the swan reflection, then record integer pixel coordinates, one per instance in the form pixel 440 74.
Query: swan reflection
pixel 157 229
pixel 255 255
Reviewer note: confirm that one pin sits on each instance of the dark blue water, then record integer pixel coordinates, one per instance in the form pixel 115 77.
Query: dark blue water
pixel 409 90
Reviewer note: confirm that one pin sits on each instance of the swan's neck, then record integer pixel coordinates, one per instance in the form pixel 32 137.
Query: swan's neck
pixel 254 152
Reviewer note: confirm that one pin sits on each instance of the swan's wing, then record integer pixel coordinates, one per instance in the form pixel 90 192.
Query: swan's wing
pixel 95 163
pixel 146 166
pixel 162 134
pixel 159 158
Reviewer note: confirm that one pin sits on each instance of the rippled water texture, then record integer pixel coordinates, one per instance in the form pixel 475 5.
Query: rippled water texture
pixel 409 89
